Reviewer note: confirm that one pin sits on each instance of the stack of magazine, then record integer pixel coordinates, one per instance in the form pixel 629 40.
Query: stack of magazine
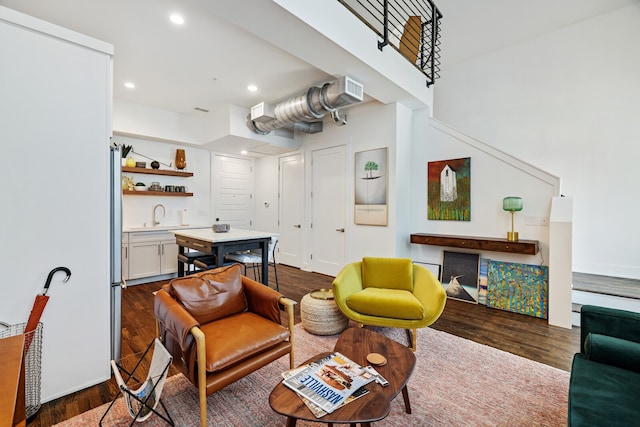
pixel 328 383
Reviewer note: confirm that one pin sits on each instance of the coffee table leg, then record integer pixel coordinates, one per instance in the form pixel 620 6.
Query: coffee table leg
pixel 291 422
pixel 405 396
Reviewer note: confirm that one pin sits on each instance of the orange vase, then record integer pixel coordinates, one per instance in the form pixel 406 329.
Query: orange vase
pixel 181 160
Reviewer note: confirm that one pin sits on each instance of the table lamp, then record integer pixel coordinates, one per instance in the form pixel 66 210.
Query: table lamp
pixel 512 204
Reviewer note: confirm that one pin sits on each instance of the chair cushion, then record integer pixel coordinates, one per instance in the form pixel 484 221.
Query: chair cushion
pixel 212 294
pixel 236 338
pixel 388 273
pixel 392 303
pixel 602 395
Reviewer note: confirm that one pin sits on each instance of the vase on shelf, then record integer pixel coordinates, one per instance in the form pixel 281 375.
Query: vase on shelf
pixel 181 160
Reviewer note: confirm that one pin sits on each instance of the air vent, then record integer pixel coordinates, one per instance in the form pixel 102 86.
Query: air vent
pixel 204 110
pixel 354 88
pixel 262 112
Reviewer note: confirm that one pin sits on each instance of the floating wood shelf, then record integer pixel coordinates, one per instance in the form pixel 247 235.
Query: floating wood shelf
pixel 156 172
pixel 156 193
pixel 525 247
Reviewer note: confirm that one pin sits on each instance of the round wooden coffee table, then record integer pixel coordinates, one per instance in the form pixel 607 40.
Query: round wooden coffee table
pixel 356 343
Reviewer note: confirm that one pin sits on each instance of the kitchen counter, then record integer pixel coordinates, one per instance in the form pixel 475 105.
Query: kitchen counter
pixel 163 228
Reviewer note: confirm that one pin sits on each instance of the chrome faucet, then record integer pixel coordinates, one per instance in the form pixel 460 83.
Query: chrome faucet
pixel 164 213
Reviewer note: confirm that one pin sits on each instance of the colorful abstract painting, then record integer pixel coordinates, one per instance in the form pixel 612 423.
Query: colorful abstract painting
pixel 449 190
pixel 482 281
pixel 520 288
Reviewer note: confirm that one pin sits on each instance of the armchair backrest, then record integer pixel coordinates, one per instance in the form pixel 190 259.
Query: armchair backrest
pixel 210 295
pixel 387 273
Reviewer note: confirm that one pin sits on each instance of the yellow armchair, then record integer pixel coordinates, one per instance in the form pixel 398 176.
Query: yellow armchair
pixel 390 292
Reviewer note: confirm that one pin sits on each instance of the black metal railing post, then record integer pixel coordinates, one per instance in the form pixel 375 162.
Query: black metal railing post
pixel 385 25
pixel 383 16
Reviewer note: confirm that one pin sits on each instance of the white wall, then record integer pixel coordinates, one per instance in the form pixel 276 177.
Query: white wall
pixel 566 101
pixel 493 177
pixel 370 126
pixel 137 210
pixel 56 109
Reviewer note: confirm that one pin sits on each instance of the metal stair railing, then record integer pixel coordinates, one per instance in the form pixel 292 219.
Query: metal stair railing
pixel 412 27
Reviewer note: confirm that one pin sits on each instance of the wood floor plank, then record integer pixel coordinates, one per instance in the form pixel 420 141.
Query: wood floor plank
pixel 521 335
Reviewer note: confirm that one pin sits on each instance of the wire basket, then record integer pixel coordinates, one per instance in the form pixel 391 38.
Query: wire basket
pixel 32 363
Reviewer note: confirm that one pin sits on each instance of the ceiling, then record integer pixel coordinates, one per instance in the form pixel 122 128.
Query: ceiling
pixel 208 62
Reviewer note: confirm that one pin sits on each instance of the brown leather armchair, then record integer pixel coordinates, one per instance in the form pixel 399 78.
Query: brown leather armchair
pixel 227 320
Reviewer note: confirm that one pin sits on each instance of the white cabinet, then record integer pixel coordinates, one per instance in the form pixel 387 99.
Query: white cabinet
pixel 152 253
pixel 169 256
pixel 125 256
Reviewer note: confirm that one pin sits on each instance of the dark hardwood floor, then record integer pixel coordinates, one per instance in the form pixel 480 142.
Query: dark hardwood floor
pixel 522 335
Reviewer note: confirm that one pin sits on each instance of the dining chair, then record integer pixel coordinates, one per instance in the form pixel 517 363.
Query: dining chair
pixel 253 259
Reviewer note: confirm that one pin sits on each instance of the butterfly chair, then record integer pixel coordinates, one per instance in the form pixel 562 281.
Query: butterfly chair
pixel 389 292
pixel 253 259
pixel 142 401
pixel 221 326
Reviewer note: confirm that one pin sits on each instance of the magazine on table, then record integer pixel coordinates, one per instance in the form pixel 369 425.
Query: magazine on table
pixel 317 411
pixel 328 383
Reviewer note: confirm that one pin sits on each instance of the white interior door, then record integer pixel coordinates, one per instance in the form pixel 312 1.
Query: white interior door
pixel 291 210
pixel 233 186
pixel 328 210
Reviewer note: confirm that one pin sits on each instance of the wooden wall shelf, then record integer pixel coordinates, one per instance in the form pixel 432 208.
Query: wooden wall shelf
pixel 156 172
pixel 156 193
pixel 524 247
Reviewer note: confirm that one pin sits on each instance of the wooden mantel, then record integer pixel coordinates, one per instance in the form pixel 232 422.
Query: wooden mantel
pixel 524 247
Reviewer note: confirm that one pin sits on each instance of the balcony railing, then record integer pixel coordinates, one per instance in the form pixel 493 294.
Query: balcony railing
pixel 412 27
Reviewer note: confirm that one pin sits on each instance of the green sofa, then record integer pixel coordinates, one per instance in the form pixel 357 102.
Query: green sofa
pixel 604 389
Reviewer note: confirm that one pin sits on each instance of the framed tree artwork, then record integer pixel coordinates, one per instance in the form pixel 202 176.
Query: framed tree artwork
pixel 449 190
pixel 460 275
pixel 371 187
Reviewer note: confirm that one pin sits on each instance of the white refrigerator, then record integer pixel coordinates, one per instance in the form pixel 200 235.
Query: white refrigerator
pixel 56 180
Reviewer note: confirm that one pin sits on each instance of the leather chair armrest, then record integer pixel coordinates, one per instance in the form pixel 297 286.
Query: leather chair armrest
pixel 173 317
pixel 261 299
pixel 289 308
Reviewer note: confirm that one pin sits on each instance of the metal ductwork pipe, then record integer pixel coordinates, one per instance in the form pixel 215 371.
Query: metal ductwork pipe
pixel 304 113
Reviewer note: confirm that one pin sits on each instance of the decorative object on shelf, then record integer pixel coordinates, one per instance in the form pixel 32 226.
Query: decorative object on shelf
pixel 131 162
pixel 141 165
pixel 124 151
pixel 157 163
pixel 371 187
pixel 140 186
pixel 449 190
pixel 155 186
pixel 460 275
pixel 127 183
pixel 181 159
pixel 512 204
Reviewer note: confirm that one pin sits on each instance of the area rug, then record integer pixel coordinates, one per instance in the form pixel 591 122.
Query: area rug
pixel 456 382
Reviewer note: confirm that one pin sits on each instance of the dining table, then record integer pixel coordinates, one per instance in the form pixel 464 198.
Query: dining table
pixel 220 243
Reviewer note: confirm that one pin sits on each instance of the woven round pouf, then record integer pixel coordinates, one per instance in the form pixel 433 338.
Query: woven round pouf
pixel 320 314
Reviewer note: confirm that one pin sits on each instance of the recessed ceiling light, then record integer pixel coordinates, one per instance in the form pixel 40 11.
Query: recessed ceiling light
pixel 176 19
pixel 244 152
pixel 129 85
pixel 252 88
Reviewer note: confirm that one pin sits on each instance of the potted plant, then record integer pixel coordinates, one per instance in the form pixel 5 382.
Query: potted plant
pixel 125 150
